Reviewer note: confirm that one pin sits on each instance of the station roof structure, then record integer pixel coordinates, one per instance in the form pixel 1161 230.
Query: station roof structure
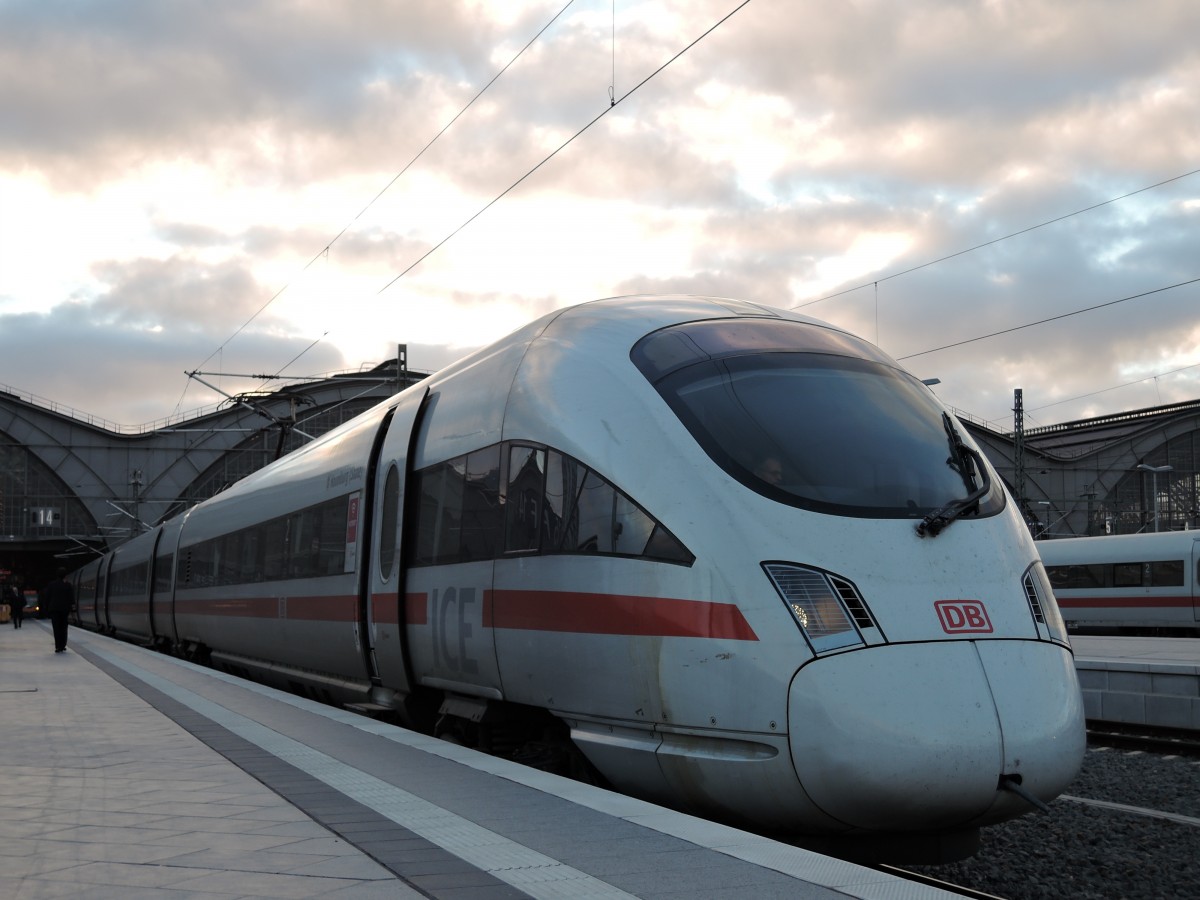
pixel 1097 475
pixel 73 485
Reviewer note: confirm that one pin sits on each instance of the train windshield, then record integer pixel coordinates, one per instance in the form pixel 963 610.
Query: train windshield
pixel 814 427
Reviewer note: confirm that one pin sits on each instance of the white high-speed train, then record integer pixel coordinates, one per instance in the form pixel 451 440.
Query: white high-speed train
pixel 739 560
pixel 1127 583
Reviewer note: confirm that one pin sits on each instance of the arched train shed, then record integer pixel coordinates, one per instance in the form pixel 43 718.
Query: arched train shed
pixel 72 484
pixel 1117 474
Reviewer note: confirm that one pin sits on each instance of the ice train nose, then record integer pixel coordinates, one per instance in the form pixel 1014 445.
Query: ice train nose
pixel 912 736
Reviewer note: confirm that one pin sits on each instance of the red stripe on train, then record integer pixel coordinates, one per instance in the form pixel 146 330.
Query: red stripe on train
pixel 1123 602
pixel 614 614
pixel 565 611
pixel 416 609
pixel 342 608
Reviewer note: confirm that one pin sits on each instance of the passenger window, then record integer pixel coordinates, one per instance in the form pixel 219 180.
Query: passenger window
pixel 595 516
pixel 162 573
pixel 421 539
pixel 631 527
pixel 305 545
pixel 557 496
pixel 666 547
pixel 203 562
pixel 564 481
pixel 1076 577
pixel 229 559
pixel 526 468
pixel 482 521
pixel 275 566
pixel 447 511
pixel 1127 574
pixel 553 504
pixel 334 518
pixel 1168 573
pixel 248 566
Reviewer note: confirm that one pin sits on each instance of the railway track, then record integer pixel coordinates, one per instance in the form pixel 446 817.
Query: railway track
pixel 1136 808
pixel 931 881
pixel 1167 741
pixel 1128 827
pixel 1193 821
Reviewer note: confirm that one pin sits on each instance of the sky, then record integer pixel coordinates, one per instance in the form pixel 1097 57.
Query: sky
pixel 294 187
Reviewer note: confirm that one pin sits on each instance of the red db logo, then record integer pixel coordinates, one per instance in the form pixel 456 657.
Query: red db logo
pixel 963 617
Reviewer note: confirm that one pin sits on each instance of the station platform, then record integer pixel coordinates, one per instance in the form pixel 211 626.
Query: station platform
pixel 129 774
pixel 1140 681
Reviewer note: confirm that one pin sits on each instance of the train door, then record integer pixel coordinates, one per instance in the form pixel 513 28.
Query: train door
pixel 385 633
pixel 100 610
pixel 1194 579
pixel 162 582
pixel 152 587
pixel 84 582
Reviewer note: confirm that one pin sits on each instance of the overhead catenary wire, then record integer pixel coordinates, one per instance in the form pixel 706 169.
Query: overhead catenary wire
pixel 942 259
pixel 1014 234
pixel 562 147
pixel 298 355
pixel 324 251
pixel 1113 388
pixel 612 85
pixel 1067 315
pixel 447 126
pixel 613 102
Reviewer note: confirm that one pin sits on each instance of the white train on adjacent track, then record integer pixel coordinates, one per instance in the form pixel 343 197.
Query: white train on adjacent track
pixel 1128 583
pixel 738 560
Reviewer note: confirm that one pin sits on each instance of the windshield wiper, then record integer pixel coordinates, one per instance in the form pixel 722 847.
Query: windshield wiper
pixel 966 462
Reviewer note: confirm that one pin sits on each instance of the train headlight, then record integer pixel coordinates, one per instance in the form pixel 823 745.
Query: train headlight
pixel 1042 604
pixel 827 608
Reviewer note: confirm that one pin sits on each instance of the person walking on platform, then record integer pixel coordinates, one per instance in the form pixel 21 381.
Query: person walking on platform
pixel 58 600
pixel 12 595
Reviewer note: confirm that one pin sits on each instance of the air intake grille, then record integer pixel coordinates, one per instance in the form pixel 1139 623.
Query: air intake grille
pixel 1035 605
pixel 1042 605
pixel 853 602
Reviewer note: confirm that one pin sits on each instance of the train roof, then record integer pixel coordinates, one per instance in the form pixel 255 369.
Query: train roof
pixel 652 311
pixel 625 318
pixel 1110 546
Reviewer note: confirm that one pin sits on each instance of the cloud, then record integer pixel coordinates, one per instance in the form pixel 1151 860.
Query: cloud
pixel 128 375
pixel 127 347
pixel 168 170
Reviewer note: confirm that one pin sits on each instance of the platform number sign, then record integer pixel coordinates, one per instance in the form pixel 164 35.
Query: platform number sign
pixel 46 516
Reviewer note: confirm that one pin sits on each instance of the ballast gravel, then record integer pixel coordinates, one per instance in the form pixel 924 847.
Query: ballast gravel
pixel 1083 852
